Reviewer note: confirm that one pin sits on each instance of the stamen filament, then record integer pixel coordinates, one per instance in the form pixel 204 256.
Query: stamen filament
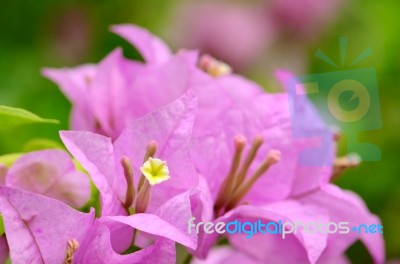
pixel 151 149
pixel 128 173
pixel 72 247
pixel 229 182
pixel 272 158
pixel 258 141
pixel 143 198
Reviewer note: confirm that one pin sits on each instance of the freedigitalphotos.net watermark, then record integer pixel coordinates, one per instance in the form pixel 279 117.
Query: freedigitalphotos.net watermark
pixel 281 228
pixel 346 98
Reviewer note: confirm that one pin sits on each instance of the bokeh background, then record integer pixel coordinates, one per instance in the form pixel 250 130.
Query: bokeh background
pixel 255 37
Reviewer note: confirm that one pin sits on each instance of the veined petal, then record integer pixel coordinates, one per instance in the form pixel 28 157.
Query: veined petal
pixel 171 127
pixel 38 228
pixel 96 154
pixel 97 248
pixel 154 225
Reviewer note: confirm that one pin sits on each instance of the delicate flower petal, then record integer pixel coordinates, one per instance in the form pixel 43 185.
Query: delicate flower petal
pixel 152 48
pixel 38 227
pixel 177 212
pixel 155 225
pixel 347 207
pixel 51 173
pixel 303 246
pixel 156 87
pixel 108 97
pixel 170 127
pixel 97 248
pixel 75 84
pixel 317 145
pixel 96 154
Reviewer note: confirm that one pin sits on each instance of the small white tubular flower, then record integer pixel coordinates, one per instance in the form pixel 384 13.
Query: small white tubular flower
pixel 155 171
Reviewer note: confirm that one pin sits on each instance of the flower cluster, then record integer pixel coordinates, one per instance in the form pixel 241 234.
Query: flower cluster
pixel 176 137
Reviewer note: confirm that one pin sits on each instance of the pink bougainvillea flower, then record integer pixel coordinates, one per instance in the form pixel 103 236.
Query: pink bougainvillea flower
pixel 51 173
pixel 346 206
pixel 96 248
pixel 40 229
pixel 243 145
pixel 108 96
pixel 156 171
pixel 327 205
pixel 285 191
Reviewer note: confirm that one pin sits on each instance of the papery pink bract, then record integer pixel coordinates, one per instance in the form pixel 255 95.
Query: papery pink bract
pixel 170 127
pixel 126 94
pixel 51 173
pixel 97 248
pixel 38 227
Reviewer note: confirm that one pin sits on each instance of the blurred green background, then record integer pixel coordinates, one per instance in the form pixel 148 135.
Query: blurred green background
pixel 48 33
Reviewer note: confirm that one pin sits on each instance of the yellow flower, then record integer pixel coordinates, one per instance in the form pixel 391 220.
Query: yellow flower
pixel 155 171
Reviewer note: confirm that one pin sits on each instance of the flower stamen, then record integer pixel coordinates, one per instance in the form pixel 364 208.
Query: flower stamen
pixel 128 173
pixel 154 171
pixel 235 186
pixel 273 157
pixel 257 142
pixel 72 247
pixel 151 150
pixel 229 182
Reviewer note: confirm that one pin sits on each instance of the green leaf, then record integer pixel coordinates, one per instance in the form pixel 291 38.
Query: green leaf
pixel 1 225
pixel 10 117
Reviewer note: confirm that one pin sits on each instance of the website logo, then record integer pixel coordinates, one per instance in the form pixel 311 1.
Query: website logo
pixel 281 228
pixel 345 98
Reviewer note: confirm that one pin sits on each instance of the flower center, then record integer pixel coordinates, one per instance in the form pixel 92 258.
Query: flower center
pixel 236 186
pixel 154 171
pixel 213 66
